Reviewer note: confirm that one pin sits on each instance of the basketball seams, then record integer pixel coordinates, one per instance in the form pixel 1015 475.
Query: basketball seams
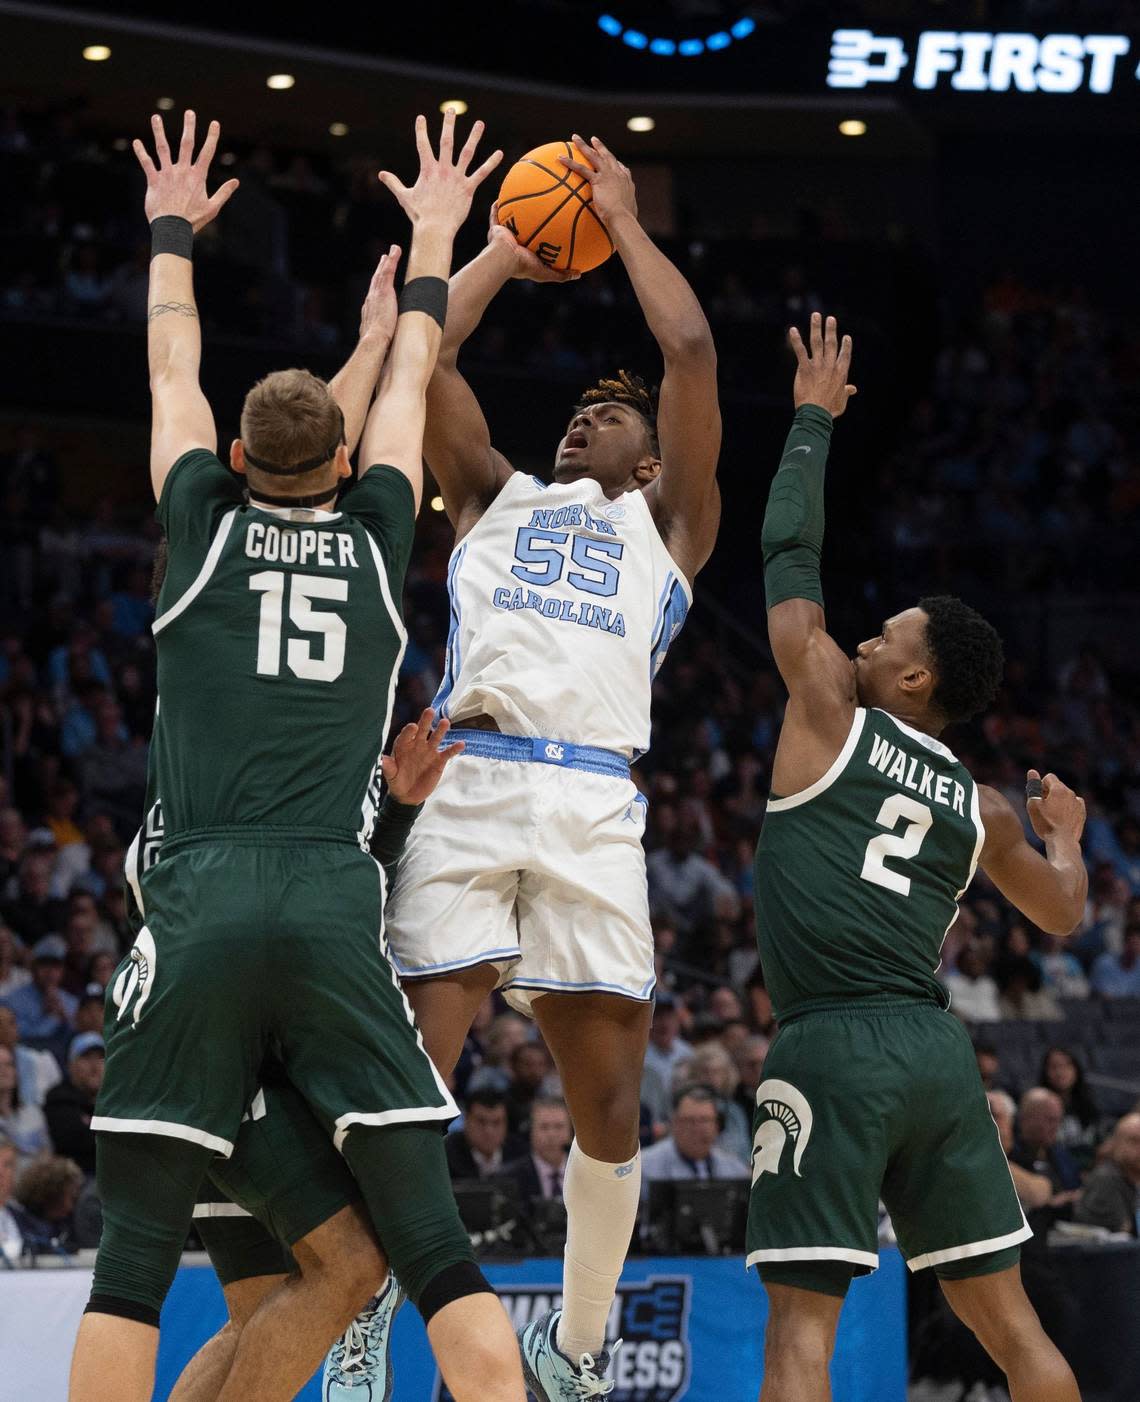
pixel 560 181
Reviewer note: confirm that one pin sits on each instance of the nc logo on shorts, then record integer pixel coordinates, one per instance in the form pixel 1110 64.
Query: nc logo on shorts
pixel 788 1117
pixel 137 978
pixel 557 752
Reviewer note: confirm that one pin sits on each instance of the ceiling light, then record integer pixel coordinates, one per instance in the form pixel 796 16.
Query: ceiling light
pixel 280 81
pixel 453 104
pixel 120 143
pixel 164 104
pixel 338 129
pixel 227 158
pixel 853 127
pixel 641 124
pixel 96 53
pixel 437 503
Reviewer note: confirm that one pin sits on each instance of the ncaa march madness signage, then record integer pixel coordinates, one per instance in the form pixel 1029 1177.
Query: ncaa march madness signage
pixel 650 1316
pixel 980 61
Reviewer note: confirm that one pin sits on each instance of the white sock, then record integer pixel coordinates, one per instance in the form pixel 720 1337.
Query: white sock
pixel 601 1207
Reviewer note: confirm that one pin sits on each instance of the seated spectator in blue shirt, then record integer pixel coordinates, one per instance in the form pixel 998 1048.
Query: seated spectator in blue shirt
pixel 37 1071
pixel 24 1125
pixel 1039 1120
pixel 690 1150
pixel 1118 975
pixel 44 1011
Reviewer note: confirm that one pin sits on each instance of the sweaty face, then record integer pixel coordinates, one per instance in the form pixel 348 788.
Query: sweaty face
pixel 605 442
pixel 897 656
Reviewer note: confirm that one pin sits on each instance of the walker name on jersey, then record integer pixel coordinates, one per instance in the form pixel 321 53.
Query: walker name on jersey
pixel 564 610
pixel 650 1316
pixel 896 764
pixel 330 550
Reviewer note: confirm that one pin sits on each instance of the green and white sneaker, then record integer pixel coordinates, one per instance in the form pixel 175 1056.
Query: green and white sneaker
pixel 359 1365
pixel 553 1377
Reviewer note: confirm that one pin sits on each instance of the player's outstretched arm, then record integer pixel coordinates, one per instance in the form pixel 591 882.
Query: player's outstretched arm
pixel 411 772
pixel 1050 889
pixel 177 206
pixel 437 204
pixel 457 441
pixel 685 497
pixel 819 677
pixel 354 384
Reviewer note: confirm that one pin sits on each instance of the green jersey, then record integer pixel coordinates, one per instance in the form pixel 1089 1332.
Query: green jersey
pixel 858 877
pixel 279 637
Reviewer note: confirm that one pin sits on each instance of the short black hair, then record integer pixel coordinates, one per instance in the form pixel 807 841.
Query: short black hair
pixel 630 390
pixel 488 1097
pixel 967 656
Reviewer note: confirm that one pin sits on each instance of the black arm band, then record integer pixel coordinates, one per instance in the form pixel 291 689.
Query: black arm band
pixel 425 294
pixel 170 233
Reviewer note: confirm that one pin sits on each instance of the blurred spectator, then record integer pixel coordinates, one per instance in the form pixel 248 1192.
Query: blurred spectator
pixel 1061 971
pixel 1035 1148
pixel 989 1067
pixel 114 768
pixel 1063 1074
pixel 12 975
pixel 1019 980
pixel 541 1172
pixel 530 1065
pixel 89 1013
pixel 690 1149
pixel 507 1031
pixel 47 1191
pixel 666 1049
pixel 70 1105
pixel 38 1070
pixel 44 1011
pixel 1118 975
pixel 11 1214
pixel 23 1124
pixel 1111 1198
pixel 59 813
pixel 685 887
pixel 712 1066
pixel 750 1057
pixel 973 992
pixel 476 1150
pixel 32 911
pixel 1034 1190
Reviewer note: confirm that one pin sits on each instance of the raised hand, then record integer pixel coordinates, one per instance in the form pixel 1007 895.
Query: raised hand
pixel 610 181
pixel 379 312
pixel 416 763
pixel 821 377
pixel 1058 812
pixel 179 186
pixel 443 190
pixel 526 264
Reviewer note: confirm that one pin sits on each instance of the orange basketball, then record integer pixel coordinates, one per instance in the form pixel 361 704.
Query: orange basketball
pixel 549 209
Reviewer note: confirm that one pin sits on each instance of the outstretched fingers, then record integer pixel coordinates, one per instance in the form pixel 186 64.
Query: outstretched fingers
pixel 397 187
pixel 796 341
pixel 423 145
pixel 485 169
pixel 142 155
pixel 186 147
pixel 816 334
pixel 467 154
pixel 209 146
pixel 160 146
pixel 220 197
pixel 447 137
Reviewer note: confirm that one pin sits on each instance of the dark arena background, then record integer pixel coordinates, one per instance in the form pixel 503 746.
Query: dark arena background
pixel 957 183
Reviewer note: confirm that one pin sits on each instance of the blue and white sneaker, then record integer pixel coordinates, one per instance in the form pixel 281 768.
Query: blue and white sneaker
pixel 359 1365
pixel 553 1377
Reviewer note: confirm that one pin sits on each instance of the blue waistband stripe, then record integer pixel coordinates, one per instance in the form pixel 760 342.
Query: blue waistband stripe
pixel 490 744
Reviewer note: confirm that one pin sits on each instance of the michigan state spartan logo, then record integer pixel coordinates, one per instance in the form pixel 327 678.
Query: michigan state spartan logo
pixel 788 1116
pixel 136 979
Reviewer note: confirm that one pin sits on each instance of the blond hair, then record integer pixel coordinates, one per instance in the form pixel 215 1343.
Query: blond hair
pixel 290 417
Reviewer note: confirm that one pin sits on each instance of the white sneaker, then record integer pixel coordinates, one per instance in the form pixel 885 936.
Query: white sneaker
pixel 359 1365
pixel 550 1375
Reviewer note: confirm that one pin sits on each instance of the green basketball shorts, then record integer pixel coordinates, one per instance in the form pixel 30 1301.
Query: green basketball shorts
pixel 255 942
pixel 282 1181
pixel 883 1102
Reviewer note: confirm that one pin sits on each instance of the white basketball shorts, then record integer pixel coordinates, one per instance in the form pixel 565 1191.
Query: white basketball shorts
pixel 535 866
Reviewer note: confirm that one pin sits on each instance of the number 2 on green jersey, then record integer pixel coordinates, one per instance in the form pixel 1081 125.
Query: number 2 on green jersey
pixel 302 590
pixel 901 846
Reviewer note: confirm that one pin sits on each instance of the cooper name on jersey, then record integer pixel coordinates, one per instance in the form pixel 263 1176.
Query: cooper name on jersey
pixel 894 763
pixel 291 546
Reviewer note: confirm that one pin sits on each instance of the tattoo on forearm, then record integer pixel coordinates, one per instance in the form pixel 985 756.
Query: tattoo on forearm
pixel 180 308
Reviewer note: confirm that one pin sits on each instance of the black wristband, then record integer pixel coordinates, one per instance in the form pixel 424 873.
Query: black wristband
pixel 170 233
pixel 425 294
pixel 398 812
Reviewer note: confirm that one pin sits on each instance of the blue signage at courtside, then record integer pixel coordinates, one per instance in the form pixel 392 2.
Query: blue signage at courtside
pixel 692 1329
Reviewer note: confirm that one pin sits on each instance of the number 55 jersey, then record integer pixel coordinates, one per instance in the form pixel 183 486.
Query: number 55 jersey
pixel 528 855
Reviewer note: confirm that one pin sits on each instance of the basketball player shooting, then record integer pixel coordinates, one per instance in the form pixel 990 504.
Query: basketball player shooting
pixel 526 870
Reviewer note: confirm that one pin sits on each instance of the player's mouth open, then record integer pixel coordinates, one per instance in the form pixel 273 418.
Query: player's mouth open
pixel 575 442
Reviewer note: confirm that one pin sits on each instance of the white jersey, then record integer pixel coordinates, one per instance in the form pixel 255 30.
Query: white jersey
pixel 563 605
